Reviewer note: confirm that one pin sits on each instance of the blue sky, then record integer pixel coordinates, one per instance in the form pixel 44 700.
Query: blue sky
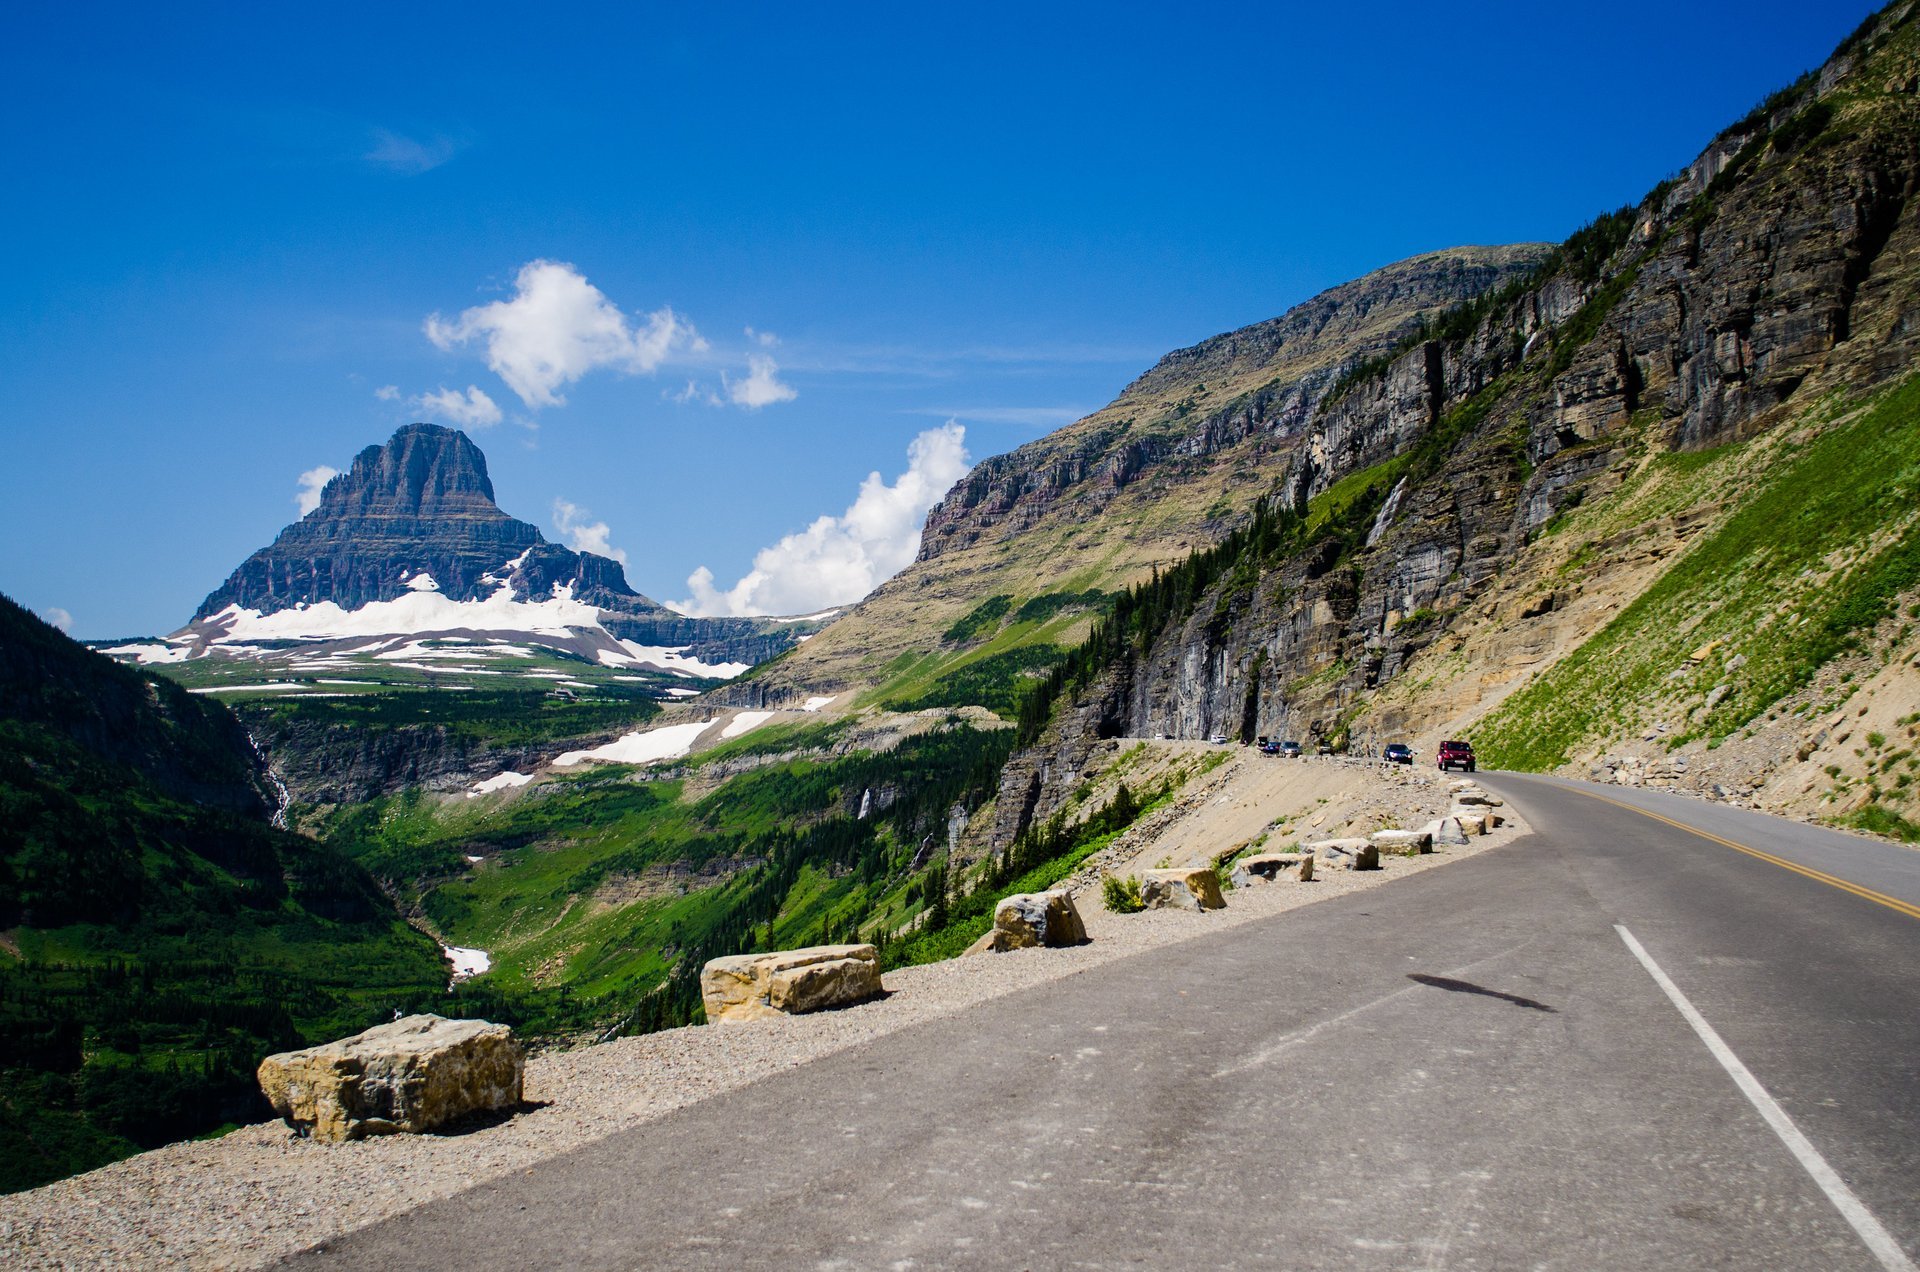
pixel 227 227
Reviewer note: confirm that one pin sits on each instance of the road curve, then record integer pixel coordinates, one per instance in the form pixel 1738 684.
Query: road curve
pixel 1470 1068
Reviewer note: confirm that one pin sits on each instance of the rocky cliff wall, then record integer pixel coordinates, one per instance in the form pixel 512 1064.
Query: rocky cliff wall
pixel 1790 271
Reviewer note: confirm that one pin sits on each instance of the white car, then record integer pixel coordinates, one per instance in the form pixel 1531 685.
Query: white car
pixel 1219 739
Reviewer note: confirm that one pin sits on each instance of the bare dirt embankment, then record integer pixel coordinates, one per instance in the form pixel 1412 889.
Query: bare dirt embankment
pixel 261 1192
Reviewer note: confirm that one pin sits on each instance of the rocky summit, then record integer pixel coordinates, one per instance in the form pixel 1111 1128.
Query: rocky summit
pixel 409 542
pixel 419 508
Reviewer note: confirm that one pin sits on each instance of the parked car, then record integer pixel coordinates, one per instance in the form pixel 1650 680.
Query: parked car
pixel 1455 754
pixel 1290 750
pixel 1397 753
pixel 1268 747
pixel 1219 739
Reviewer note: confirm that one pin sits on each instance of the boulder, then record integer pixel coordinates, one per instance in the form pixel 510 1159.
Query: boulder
pixel 414 1074
pixel 1406 843
pixel 1269 866
pixel 1040 918
pixel 1477 796
pixel 1194 888
pixel 1447 832
pixel 789 982
pixel 1472 820
pixel 1352 854
pixel 1028 919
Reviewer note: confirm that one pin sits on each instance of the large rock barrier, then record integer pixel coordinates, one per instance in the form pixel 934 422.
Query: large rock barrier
pixel 414 1074
pixel 1029 919
pixel 1447 833
pixel 789 982
pixel 1405 843
pixel 1191 888
pixel 1266 867
pixel 1349 854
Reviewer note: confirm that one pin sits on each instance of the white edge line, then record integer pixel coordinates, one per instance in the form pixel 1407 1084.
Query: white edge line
pixel 1877 1238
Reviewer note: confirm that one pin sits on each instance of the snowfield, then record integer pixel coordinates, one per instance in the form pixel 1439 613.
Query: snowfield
pixel 745 722
pixel 670 743
pixel 415 614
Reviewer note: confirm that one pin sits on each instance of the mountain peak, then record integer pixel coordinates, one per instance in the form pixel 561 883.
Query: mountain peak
pixel 416 513
pixel 423 470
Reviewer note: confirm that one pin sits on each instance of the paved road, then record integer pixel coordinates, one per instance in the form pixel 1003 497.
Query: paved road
pixel 1467 1069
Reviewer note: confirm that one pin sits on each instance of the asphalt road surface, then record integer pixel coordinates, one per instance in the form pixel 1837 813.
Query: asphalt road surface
pixel 1478 1067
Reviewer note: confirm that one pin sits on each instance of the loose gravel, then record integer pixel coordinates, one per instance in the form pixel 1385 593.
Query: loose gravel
pixel 262 1192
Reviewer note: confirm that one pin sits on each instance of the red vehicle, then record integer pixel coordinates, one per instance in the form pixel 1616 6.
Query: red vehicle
pixel 1456 755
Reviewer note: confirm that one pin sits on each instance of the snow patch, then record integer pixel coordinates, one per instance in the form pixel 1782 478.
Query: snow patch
pixel 669 743
pixel 146 655
pixel 414 614
pixel 499 782
pixel 668 658
pixel 814 704
pixel 422 582
pixel 278 686
pixel 466 962
pixel 745 722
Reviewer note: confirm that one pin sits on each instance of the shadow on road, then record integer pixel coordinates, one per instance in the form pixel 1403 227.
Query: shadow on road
pixel 1468 987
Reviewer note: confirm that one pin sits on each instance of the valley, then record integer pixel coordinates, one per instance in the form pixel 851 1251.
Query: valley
pixel 1641 507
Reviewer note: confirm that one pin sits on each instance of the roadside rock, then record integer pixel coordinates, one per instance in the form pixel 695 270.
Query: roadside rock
pixel 789 982
pixel 1267 867
pixel 1189 889
pixel 1353 854
pixel 1447 832
pixel 1029 919
pixel 1475 821
pixel 1406 843
pixel 412 1075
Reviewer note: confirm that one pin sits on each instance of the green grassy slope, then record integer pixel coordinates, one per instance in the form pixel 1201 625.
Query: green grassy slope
pixel 1825 536
pixel 154 947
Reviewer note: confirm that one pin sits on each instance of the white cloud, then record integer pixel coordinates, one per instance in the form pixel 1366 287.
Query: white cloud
pixel 761 387
pixel 838 560
pixel 570 519
pixel 409 156
pixel 765 339
pixel 557 328
pixel 472 408
pixel 388 393
pixel 311 483
pixel 58 617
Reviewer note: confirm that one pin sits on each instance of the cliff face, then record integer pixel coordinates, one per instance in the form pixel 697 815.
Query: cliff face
pixel 1779 273
pixel 422 503
pixel 1169 466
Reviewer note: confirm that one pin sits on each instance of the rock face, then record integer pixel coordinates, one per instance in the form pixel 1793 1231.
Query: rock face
pixel 1266 867
pixel 1162 459
pixel 421 508
pixel 1182 889
pixel 416 1074
pixel 1787 255
pixel 789 982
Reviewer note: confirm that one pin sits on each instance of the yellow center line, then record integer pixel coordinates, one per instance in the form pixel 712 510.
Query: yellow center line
pixel 1878 898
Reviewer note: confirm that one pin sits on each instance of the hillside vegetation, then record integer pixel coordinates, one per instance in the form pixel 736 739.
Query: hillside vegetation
pixel 157 935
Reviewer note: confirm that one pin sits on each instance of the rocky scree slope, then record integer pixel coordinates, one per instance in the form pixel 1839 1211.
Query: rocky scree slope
pixel 1169 466
pixel 1414 568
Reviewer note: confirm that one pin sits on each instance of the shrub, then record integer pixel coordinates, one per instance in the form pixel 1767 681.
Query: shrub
pixel 1122 896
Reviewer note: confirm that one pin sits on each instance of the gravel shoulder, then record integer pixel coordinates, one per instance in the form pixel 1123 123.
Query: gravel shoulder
pixel 261 1192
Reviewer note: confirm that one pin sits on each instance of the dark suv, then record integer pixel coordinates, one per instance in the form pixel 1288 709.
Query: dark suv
pixel 1456 755
pixel 1397 753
